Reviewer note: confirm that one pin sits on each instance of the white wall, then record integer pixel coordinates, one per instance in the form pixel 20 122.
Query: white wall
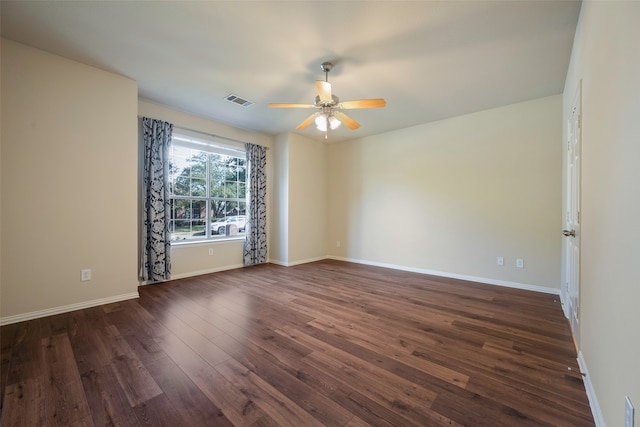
pixel 451 196
pixel 192 259
pixel 605 57
pixel 302 208
pixel 69 158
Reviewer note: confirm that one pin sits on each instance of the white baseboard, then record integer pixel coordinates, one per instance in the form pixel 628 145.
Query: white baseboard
pixel 66 308
pixel 504 283
pixel 591 393
pixel 201 272
pixel 563 303
pixel 291 264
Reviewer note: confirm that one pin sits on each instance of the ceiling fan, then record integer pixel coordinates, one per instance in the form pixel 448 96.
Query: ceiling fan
pixel 329 114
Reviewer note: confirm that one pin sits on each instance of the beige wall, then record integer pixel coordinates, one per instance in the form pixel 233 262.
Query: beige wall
pixel 605 57
pixel 279 236
pixel 70 132
pixel 69 158
pixel 301 210
pixel 453 195
pixel 307 199
pixel 193 259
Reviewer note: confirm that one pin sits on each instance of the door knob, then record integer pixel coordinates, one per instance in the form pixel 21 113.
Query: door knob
pixel 568 233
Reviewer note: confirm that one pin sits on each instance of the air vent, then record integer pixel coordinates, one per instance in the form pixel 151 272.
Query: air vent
pixel 237 100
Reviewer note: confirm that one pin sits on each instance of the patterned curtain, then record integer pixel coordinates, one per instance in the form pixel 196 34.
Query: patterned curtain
pixel 255 244
pixel 156 205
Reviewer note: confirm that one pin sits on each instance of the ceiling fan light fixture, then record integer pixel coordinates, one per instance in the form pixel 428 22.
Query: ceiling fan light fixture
pixel 321 122
pixel 333 122
pixel 323 119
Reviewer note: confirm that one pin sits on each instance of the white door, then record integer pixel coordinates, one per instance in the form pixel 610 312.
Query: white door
pixel 572 216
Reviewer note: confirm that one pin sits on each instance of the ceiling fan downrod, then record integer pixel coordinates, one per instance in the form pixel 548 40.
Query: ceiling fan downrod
pixel 326 67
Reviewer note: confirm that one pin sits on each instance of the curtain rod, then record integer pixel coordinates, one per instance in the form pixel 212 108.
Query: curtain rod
pixel 213 135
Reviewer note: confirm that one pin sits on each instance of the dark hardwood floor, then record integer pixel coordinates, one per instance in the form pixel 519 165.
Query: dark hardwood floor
pixel 327 343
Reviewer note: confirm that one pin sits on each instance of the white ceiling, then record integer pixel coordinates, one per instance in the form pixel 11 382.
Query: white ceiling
pixel 429 59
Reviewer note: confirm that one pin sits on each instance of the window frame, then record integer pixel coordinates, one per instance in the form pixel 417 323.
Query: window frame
pixel 199 144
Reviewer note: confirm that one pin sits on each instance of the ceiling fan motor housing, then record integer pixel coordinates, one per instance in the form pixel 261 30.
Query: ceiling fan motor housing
pixel 333 103
pixel 326 66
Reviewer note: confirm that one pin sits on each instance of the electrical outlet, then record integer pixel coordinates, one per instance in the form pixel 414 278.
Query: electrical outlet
pixel 500 260
pixel 520 263
pixel 85 275
pixel 337 243
pixel 210 251
pixel 628 412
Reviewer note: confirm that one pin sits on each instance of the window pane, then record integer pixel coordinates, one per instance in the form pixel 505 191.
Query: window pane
pixel 187 230
pixel 180 209
pixel 207 188
pixel 231 189
pixel 188 172
pixel 181 186
pixel 179 156
pixel 242 170
pixel 199 165
pixel 180 230
pixel 197 229
pixel 217 189
pixel 199 209
pixel 177 165
pixel 217 209
pixel 231 173
pixel 198 187
pixel 216 165
pixel 219 226
pixel 188 209
pixel 231 208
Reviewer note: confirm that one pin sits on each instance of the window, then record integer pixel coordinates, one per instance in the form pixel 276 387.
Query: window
pixel 207 184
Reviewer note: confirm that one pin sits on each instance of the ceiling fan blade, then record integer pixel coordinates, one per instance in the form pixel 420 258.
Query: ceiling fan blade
pixel 363 103
pixel 324 90
pixel 348 121
pixel 291 105
pixel 307 121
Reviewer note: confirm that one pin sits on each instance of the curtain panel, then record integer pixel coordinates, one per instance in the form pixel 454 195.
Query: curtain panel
pixel 255 244
pixel 156 204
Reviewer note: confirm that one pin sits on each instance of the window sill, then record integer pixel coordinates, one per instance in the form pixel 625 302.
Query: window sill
pixel 179 243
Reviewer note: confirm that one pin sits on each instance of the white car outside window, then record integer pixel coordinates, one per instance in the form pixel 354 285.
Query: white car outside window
pixel 220 225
